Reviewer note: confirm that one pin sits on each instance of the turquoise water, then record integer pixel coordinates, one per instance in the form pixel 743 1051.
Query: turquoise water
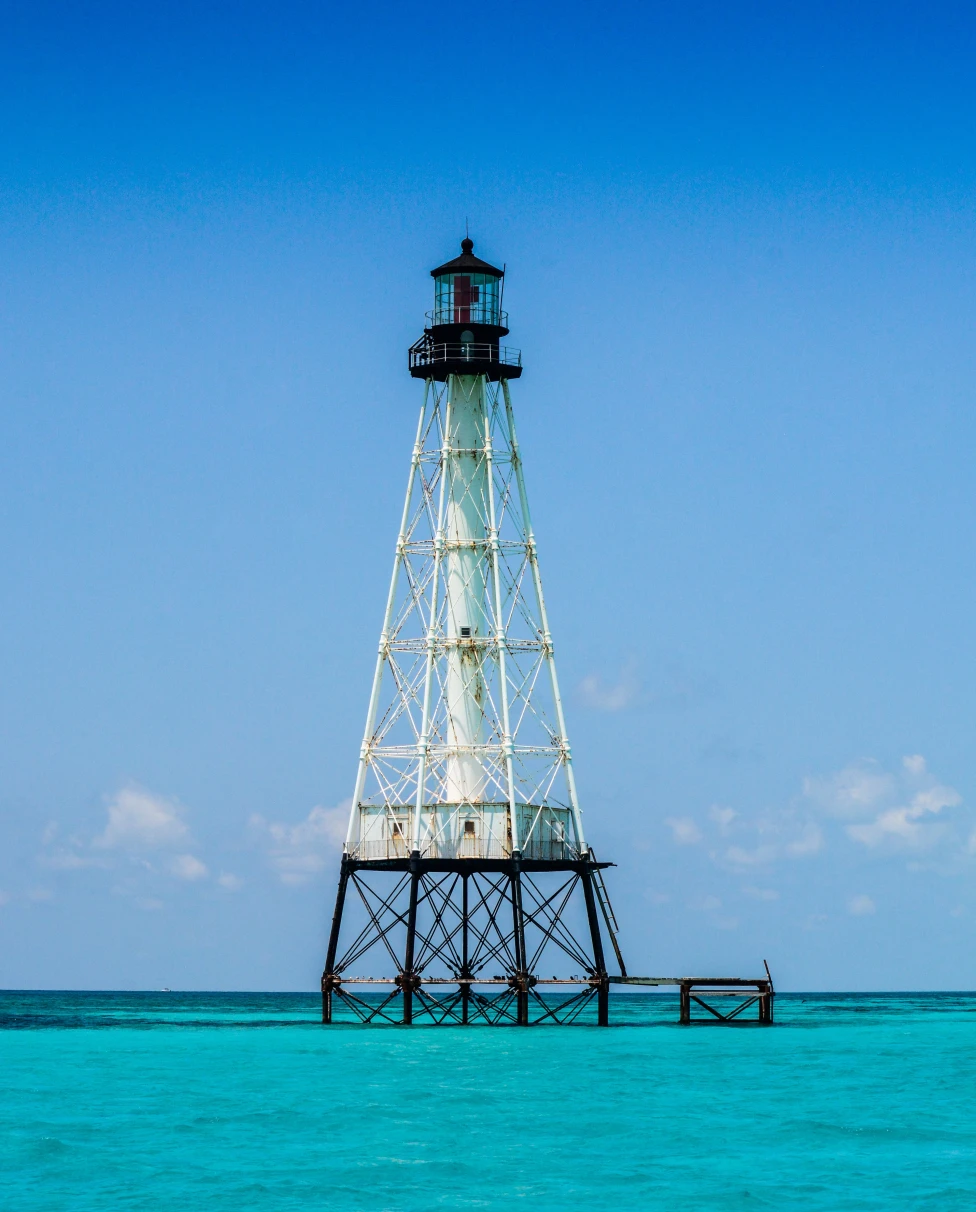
pixel 242 1101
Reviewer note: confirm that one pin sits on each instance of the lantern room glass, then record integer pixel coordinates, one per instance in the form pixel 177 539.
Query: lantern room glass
pixel 466 299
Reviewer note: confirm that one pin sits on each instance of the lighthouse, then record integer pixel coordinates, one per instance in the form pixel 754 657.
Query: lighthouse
pixel 467 890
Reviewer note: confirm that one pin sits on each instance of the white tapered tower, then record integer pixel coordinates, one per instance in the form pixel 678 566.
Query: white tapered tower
pixel 465 767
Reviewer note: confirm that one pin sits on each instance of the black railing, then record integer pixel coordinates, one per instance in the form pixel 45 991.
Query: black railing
pixel 474 313
pixel 426 353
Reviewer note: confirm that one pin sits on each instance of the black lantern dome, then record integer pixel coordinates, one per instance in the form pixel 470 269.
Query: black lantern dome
pixel 463 331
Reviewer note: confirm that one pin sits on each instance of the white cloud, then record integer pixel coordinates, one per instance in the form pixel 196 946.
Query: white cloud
pixel 741 856
pixel 593 692
pixel 851 793
pixel 230 883
pixel 762 894
pixel 763 839
pixel 72 855
pixel 907 825
pixel 934 800
pixel 711 903
pixel 882 810
pixel 69 860
pixel 139 825
pixel 139 820
pixel 684 830
pixel 299 852
pixel 723 817
pixel 188 867
pixel 810 841
pixel 861 906
pixel 888 811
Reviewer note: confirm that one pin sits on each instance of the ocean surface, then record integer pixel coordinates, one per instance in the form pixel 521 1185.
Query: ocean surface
pixel 197 1102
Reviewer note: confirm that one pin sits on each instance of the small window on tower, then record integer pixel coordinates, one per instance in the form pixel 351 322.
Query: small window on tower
pixel 469 828
pixel 465 632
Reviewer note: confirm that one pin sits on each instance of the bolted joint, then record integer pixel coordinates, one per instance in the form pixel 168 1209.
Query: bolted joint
pixel 522 982
pixel 408 980
pixel 331 981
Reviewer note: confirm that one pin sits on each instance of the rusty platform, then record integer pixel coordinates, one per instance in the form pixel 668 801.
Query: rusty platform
pixel 746 991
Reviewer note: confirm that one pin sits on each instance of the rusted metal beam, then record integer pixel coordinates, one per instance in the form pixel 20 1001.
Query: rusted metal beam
pixel 468 945
pixel 695 988
pixel 328 974
pixel 717 981
pixel 599 963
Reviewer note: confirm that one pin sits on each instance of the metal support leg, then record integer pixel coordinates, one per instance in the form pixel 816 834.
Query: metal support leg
pixel 685 1012
pixel 408 980
pixel 328 974
pixel 470 919
pixel 521 973
pixel 770 993
pixel 465 968
pixel 599 963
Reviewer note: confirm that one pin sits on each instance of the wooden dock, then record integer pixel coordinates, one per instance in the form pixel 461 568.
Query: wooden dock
pixel 745 991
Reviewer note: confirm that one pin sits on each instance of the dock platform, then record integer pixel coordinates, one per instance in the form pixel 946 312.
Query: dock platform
pixel 745 991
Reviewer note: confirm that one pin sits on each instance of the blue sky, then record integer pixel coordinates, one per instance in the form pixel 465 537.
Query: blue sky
pixel 740 244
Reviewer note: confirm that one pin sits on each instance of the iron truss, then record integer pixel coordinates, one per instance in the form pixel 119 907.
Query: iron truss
pixel 465 726
pixel 469 941
pixel 466 875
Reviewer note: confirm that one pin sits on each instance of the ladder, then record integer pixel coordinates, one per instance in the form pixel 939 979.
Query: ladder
pixel 608 914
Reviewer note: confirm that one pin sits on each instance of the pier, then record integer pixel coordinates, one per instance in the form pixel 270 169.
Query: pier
pixel 746 992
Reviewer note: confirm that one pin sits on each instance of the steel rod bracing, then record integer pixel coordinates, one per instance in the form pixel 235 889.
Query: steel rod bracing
pixel 563 738
pixel 465 752
pixel 384 646
pixel 465 865
pixel 467 944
